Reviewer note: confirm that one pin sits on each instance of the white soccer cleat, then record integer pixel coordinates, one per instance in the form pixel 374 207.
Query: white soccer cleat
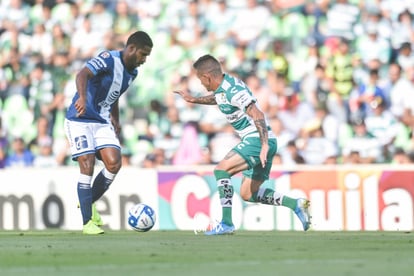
pixel 302 211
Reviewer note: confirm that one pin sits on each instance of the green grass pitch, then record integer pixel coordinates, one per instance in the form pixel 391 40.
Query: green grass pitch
pixel 183 253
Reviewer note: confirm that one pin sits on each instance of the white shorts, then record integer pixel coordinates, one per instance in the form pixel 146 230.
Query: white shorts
pixel 87 138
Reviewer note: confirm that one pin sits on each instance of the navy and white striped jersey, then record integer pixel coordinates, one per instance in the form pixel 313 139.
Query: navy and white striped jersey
pixel 110 81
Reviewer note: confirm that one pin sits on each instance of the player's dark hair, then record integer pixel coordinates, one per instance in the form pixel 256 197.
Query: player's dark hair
pixel 208 64
pixel 140 39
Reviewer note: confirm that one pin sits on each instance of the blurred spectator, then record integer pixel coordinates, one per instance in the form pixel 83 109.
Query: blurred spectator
pixel 62 12
pixel 354 157
pixel 316 87
pixel 60 69
pixel 240 63
pixel 291 155
pixel 260 90
pixel 149 161
pixel 283 136
pixel 362 146
pixel 211 123
pixel 45 157
pixel 361 97
pixel 275 59
pixel 249 23
pixel 342 16
pixel 278 84
pixel 169 138
pixel 340 72
pixel 19 155
pixel 219 20
pixel 372 46
pixel 154 159
pixel 3 144
pixel 374 16
pixel 16 13
pixel 15 74
pixel 189 151
pixel 146 8
pixel 405 57
pixel 189 26
pixel 400 90
pixel 221 142
pixel 156 119
pixel 41 42
pixel 42 136
pixel 41 92
pixel 329 124
pixel 312 59
pixel 315 148
pixel 101 19
pixel 294 113
pixel 277 160
pixel 17 116
pixel 188 112
pixel 403 29
pixel 61 41
pixel 85 42
pixel 400 157
pixel 124 21
pixel 382 124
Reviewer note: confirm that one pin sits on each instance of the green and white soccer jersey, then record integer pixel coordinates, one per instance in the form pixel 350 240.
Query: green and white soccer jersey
pixel 233 97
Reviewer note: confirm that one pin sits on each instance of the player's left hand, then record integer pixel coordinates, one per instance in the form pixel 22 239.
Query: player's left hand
pixel 263 155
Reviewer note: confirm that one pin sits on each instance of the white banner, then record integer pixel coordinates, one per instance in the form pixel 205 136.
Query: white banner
pixel 47 198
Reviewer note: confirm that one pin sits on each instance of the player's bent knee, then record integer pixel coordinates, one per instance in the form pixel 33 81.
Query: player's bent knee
pixel 114 167
pixel 246 196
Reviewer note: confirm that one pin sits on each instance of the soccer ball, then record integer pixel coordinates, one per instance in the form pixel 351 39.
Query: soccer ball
pixel 141 217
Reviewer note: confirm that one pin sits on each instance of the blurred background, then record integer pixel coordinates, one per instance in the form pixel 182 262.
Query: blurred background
pixel 335 78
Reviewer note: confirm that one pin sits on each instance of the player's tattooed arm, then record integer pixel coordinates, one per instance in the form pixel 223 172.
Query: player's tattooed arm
pixel 207 100
pixel 259 121
pixel 262 129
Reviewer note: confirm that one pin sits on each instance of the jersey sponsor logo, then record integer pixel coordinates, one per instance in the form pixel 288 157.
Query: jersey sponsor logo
pixel 233 117
pixel 113 96
pixel 105 55
pixel 81 142
pixel 243 98
pixel 110 99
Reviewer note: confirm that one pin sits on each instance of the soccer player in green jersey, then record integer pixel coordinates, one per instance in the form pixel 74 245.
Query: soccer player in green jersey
pixel 253 155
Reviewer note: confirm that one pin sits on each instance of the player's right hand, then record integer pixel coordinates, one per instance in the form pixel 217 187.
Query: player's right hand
pixel 184 94
pixel 80 106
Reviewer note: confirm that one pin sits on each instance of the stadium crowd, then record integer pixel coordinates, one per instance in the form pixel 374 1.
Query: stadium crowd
pixel 335 78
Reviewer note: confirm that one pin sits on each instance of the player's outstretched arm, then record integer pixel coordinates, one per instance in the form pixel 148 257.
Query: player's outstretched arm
pixel 208 100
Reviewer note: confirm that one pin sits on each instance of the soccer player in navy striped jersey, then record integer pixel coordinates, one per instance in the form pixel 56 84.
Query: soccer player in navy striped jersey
pixel 92 120
pixel 253 155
